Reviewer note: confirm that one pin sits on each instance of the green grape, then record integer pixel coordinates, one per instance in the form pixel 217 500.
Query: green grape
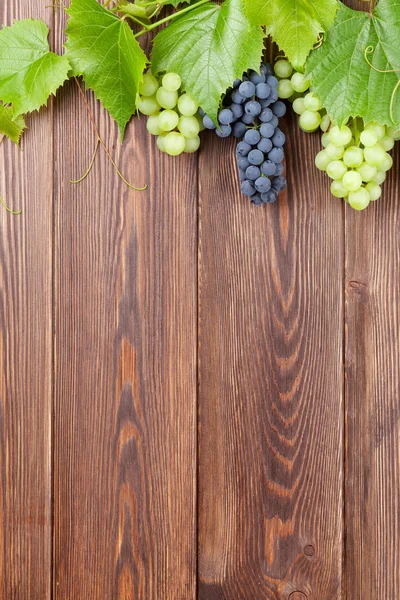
pixel 153 125
pixel 299 106
pixel 285 89
pixel 387 143
pixel 300 83
pixel 353 157
pixel 168 120
pixel 171 82
pixel 166 99
pixel 149 85
pixel 192 144
pixel 359 199
pixel 375 156
pixel 374 190
pixel 312 102
pixel 189 127
pixel 325 123
pixel 367 172
pixel 387 163
pixel 309 121
pixel 161 142
pixel 336 169
pixel 322 160
pixel 187 107
pixel 379 130
pixel 335 152
pixel 379 178
pixel 340 136
pixel 148 105
pixel 174 143
pixel 325 139
pixel 395 134
pixel 338 190
pixel 352 181
pixel 283 69
pixel 368 138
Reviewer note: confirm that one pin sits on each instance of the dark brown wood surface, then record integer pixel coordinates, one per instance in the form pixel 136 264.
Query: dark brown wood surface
pixel 199 398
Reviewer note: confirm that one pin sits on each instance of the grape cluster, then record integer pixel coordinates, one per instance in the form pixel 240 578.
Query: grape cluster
pixel 172 114
pixel 251 110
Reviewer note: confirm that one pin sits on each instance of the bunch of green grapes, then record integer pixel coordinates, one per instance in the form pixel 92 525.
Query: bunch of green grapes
pixel 172 114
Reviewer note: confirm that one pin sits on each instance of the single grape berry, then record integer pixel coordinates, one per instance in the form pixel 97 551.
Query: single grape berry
pixel 247 188
pixel 208 123
pixel 225 116
pixel 256 157
pixel 272 81
pixel 252 137
pixel 243 163
pixel 278 139
pixel 268 168
pixel 269 197
pixel 237 110
pixel 224 131
pixel 239 129
pixel 263 90
pixel 253 172
pixel 253 108
pixel 242 175
pixel 256 78
pixel 247 89
pixel 247 119
pixel 266 115
pixel 276 155
pixel 243 149
pixel 279 183
pixel 256 199
pixel 267 130
pixel 263 185
pixel 265 145
pixel 279 109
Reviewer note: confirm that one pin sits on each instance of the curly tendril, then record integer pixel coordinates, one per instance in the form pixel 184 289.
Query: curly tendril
pixel 371 50
pixel 8 209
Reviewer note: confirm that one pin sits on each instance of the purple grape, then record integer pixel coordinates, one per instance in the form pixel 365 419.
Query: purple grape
pixel 224 131
pixel 243 163
pixel 269 197
pixel 268 168
pixel 263 91
pixel 252 137
pixel 239 129
pixel 272 81
pixel 256 78
pixel 237 110
pixel 253 108
pixel 253 172
pixel 262 184
pixel 247 119
pixel 278 138
pixel 247 188
pixel 243 149
pixel 276 155
pixel 225 116
pixel 278 183
pixel 256 199
pixel 279 169
pixel 208 123
pixel 279 108
pixel 237 97
pixel 256 157
pixel 265 145
pixel 247 89
pixel 267 130
pixel 266 115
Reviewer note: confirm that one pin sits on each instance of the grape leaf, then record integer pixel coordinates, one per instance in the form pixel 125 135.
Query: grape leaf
pixel 10 127
pixel 293 24
pixel 340 74
pixel 209 47
pixel 29 72
pixel 102 48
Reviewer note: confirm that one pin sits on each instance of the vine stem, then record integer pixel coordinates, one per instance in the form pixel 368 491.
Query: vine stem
pixel 170 17
pixel 8 209
pixel 100 141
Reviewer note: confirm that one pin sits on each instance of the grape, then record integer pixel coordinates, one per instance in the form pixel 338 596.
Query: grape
pixel 236 83
pixel 267 130
pixel 279 109
pixel 335 152
pixel 256 78
pixel 189 127
pixel 208 123
pixel 174 143
pixel 168 120
pixel 273 96
pixel 161 142
pixel 268 168
pixel 238 98
pixel 353 157
pixel 269 197
pixel 379 130
pixel 393 133
pixel 263 185
pixel 201 112
pixel 192 144
pixel 243 149
pixel 262 90
pixel 310 121
pixel 325 139
pixel 166 98
pixel 300 83
pixel 272 82
pixel 359 199
pixel 243 163
pixel 374 190
pixel 276 155
pixel 379 177
pixel 242 175
pixel 387 143
pixel 298 106
pixel 253 172
pixel 285 89
pixel 266 69
pixel 225 116
pixel 367 172
pixel 340 136
pixel 253 108
pixel 375 156
pixel 224 131
pixel 171 82
pixel 153 125
pixel 322 160
pixel 338 190
pixel 237 110
pixel 325 123
pixel 149 85
pixel 312 102
pixel 279 183
pixel 337 169
pixel 148 105
pixel 387 163
pixel 283 69
pixel 265 145
pixel 187 107
pixel 239 129
pixel 252 137
pixel 247 119
pixel 256 199
pixel 368 138
pixel 247 188
pixel 256 157
pixel 266 115
pixel 352 181
pixel 247 89
pixel 279 169
pixel 278 139
pixel 274 121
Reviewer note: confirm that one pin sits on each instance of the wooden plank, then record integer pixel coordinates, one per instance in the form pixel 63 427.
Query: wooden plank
pixel 125 363
pixel 270 383
pixel 26 349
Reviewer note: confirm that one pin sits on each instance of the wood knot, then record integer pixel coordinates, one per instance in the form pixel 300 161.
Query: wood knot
pixel 355 285
pixel 309 550
pixel 297 596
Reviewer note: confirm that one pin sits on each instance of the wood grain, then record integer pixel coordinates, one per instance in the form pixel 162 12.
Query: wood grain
pixel 270 383
pixel 26 181
pixel 125 366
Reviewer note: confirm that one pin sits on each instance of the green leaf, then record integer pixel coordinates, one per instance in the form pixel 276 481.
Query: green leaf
pixel 29 72
pixel 10 127
pixel 103 49
pixel 340 74
pixel 209 47
pixel 293 24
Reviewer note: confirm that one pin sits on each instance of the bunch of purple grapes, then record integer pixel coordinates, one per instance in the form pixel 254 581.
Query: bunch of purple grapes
pixel 251 110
